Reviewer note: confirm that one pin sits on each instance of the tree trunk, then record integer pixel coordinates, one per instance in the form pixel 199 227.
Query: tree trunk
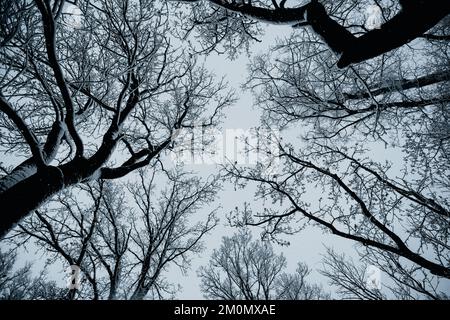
pixel 28 195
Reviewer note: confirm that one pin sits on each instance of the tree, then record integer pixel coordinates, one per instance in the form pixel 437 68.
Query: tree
pixel 97 97
pixel 359 203
pixel 411 21
pixel 396 210
pixel 390 95
pixel 242 269
pixel 76 100
pixel 123 247
pixel 403 283
pixel 20 285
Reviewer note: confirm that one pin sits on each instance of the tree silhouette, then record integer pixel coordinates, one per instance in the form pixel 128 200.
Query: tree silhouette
pixel 124 241
pixel 242 269
pixel 412 20
pixel 79 100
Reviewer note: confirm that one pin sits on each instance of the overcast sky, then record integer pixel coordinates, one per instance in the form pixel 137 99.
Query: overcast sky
pixel 308 245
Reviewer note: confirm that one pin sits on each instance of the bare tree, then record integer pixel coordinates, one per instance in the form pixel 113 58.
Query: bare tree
pixel 123 247
pixel 338 25
pixel 242 269
pixel 332 177
pixel 349 278
pixel 166 237
pixel 359 203
pixel 396 281
pixel 79 98
pixel 19 284
pixel 102 95
pixel 296 287
pixel 10 19
pixel 390 95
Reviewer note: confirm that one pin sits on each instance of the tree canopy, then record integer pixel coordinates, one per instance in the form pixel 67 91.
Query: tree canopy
pixel 96 95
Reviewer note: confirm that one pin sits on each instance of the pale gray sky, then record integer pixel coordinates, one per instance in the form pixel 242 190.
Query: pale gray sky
pixel 308 245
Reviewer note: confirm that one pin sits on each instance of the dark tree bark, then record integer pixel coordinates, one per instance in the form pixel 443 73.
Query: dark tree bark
pixel 25 196
pixel 18 201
